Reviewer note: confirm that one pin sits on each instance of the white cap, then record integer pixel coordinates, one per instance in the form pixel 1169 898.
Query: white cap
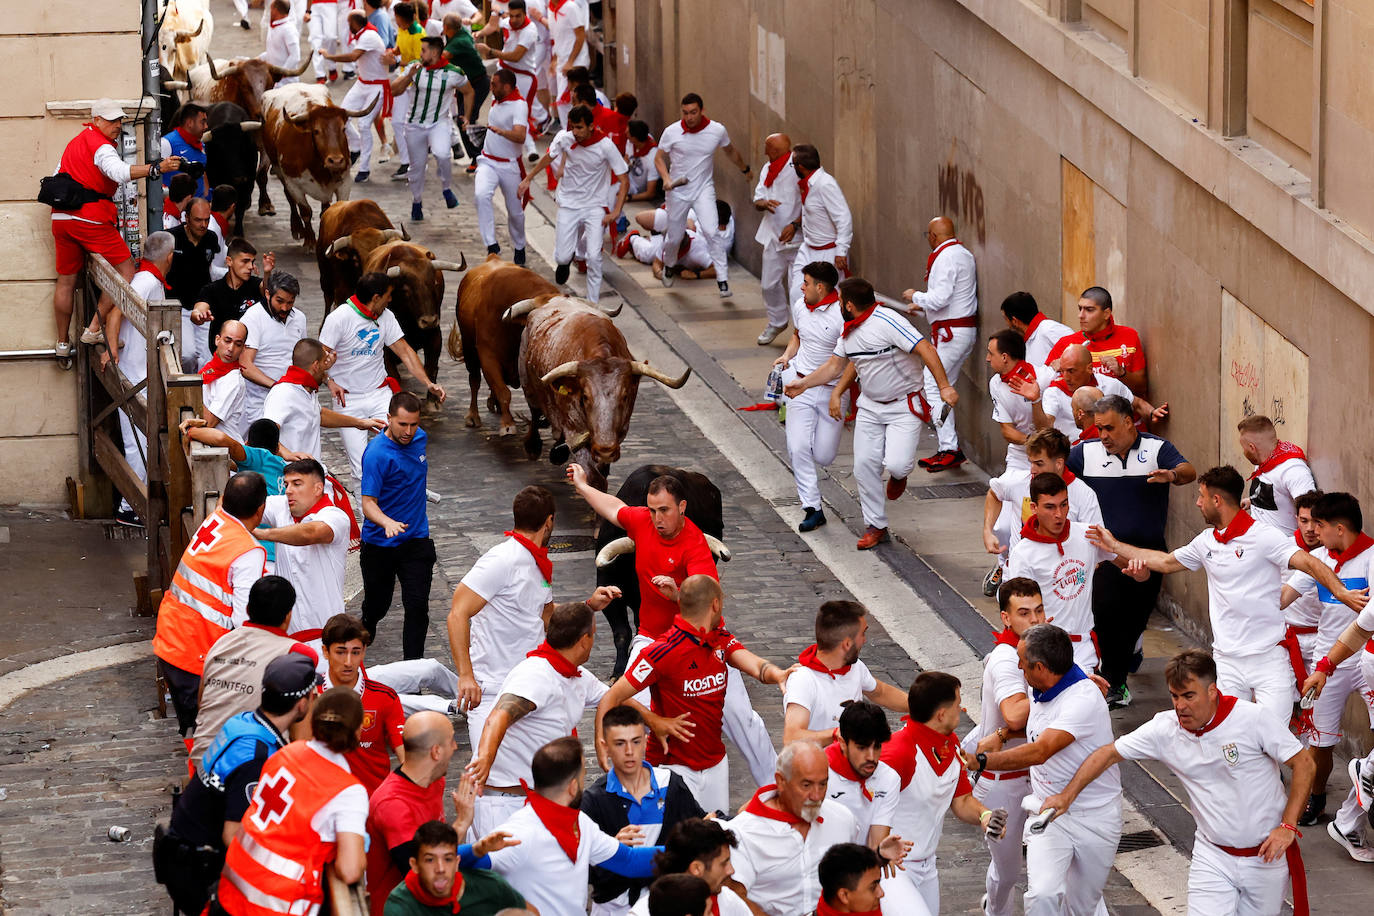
pixel 107 109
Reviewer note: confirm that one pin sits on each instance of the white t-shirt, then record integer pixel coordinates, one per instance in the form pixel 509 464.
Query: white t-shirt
pixel 370 65
pixel 881 810
pixel 818 331
pixel 511 624
pixel 777 867
pixel 823 696
pixel 1243 583
pixel 827 222
pixel 586 170
pixel 928 787
pixel 539 868
pixel 1058 405
pixel 559 702
pixel 692 155
pixel 316 570
pixel 1272 493
pixel 880 349
pixel 272 339
pixel 726 901
pixel 224 398
pixel 1335 617
pixel 283 46
pixel 1010 407
pixel 1231 770
pixel 1044 335
pixel 1002 680
pixel 359 343
pixel 1065 578
pixel 505 114
pixel 345 812
pixel 525 38
pixel 296 410
pixel 1013 489
pixel 563 25
pixel 1081 710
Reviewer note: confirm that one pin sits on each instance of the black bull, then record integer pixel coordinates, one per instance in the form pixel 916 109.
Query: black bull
pixel 703 508
pixel 231 156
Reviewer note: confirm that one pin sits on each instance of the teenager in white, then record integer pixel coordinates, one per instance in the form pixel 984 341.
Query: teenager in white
pixel 876 347
pixel 1227 754
pixel 1006 357
pixel 274 329
pixel 1281 473
pixel 690 184
pixel 426 121
pixel 372 92
pixel 825 225
pixel 222 382
pixel 520 54
pixel 499 164
pixel 778 197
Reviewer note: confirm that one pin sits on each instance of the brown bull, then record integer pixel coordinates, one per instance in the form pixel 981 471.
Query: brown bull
pixel 577 371
pixel 415 298
pixel 183 38
pixel 350 231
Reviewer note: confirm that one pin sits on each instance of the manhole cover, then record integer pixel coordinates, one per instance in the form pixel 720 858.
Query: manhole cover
pixel 571 543
pixel 1143 839
pixel 950 491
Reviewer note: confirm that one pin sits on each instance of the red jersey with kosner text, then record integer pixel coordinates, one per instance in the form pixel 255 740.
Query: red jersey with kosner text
pixel 679 557
pixel 383 721
pixel 685 673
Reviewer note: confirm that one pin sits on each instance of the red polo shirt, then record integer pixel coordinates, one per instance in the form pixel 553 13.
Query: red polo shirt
pixel 1114 340
pixel 678 557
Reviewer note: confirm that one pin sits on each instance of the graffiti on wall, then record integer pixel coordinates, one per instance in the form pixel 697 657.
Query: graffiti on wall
pixel 1262 372
pixel 961 197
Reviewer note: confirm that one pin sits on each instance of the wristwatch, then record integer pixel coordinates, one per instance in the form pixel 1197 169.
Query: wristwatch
pixel 154 170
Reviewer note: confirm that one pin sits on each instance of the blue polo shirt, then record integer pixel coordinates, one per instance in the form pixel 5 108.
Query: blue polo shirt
pixel 270 466
pixel 1133 509
pixel 648 811
pixel 395 476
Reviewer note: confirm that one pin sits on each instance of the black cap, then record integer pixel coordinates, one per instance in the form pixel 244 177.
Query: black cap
pixel 291 675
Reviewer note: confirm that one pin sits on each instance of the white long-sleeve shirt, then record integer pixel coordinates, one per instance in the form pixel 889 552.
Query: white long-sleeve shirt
pixel 284 46
pixel 826 221
pixel 952 287
pixel 785 192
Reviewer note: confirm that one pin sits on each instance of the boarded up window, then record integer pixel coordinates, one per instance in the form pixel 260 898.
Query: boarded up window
pixel 1092 243
pixel 1261 373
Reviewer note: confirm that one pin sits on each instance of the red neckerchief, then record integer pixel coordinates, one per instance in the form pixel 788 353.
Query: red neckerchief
pixel 425 898
pixel 512 96
pixel 276 22
pixel 825 909
pixel 1086 435
pixel 1282 452
pixel 1097 336
pixel 1298 539
pixel 715 905
pixel 193 142
pixel 560 664
pixel 1224 707
pixel 842 767
pixel 262 626
pixel 1240 523
pixel 756 806
pixel 324 502
pixel 540 554
pixel 804 186
pixel 775 169
pixel 718 638
pixel 1067 476
pixel 694 130
pixel 1034 323
pixel 367 28
pixel 808 659
pixel 595 137
pixel 559 820
pixel 1007 638
pixel 215 370
pixel 1362 543
pixel 930 261
pixel 828 299
pixel 1022 370
pixel 642 150
pixel 1031 532
pixel 340 499
pixel 852 324
pixel 295 375
pixel 169 208
pixel 440 64
pixel 555 6
pixel 146 266
pixel 362 309
pixel 222 221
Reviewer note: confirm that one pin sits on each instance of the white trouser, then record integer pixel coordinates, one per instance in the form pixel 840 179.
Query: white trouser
pixel 775 277
pixel 408 678
pixel 886 436
pixel 620 906
pixel 1367 669
pixel 195 344
pixel 477 716
pixel 1004 855
pixel 1007 526
pixel 365 405
pixel 806 255
pixel 813 439
pixel 490 811
pixel 1220 883
pixel 421 142
pixel 580 225
pixel 680 201
pixel 324 36
pixel 1085 652
pixel 400 107
pixel 344 8
pixel 1265 678
pixel 901 895
pixel 135 445
pixel 952 353
pixel 710 787
pixel 1351 818
pixel 1067 865
pixel 241 8
pixel 491 175
pixel 648 250
pixel 359 130
pixel 923 878
pixel 1330 706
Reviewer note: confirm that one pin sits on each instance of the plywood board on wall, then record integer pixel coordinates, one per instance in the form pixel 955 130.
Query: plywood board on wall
pixel 1093 240
pixel 1262 372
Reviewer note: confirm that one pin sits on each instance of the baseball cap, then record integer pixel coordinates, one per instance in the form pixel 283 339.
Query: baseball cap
pixel 291 675
pixel 108 109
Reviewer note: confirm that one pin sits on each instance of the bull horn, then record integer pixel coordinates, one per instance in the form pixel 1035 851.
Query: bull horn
pixel 207 136
pixel 250 126
pixel 338 245
pixel 579 441
pixel 611 313
pixel 229 71
pixel 718 548
pixel 175 84
pixel 566 370
pixel 644 369
pixel 280 72
pixel 298 119
pixel 361 112
pixel 449 265
pixel 391 235
pixel 614 549
pixel 519 310
pixel 183 35
pixel 393 272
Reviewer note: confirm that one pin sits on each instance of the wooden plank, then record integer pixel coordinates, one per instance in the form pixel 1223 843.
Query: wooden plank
pixel 81 108
pixel 1077 244
pixel 209 472
pixel 112 462
pixel 162 316
pixel 134 306
pixel 118 386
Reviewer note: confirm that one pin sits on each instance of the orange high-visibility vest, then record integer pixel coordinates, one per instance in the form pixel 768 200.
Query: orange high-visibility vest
pixel 198 608
pixel 275 863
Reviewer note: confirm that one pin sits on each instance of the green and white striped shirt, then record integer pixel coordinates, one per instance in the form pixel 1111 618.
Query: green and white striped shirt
pixel 431 95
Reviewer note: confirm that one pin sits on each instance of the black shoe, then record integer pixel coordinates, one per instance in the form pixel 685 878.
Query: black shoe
pixel 243 24
pixel 1119 697
pixel 362 177
pixel 519 257
pixel 493 249
pixel 1313 813
pixel 128 518
pixel 400 173
pixel 561 272
pixel 1137 659
pixel 814 519
pixel 353 156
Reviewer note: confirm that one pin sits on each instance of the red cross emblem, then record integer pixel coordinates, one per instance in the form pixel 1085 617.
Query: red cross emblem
pixel 206 536
pixel 273 799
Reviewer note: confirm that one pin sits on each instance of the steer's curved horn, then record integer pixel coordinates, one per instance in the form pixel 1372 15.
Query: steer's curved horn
pixel 280 72
pixel 175 84
pixel 393 272
pixel 449 265
pixel 361 112
pixel 338 245
pixel 298 119
pixel 250 126
pixel 207 136
pixel 519 310
pixel 566 370
pixel 228 72
pixel 579 441
pixel 614 549
pixel 611 313
pixel 648 371
pixel 392 235
pixel 718 548
pixel 183 35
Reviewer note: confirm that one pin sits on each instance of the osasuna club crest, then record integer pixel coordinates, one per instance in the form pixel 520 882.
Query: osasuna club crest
pixel 1231 754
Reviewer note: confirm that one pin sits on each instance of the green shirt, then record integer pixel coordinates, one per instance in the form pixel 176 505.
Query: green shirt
pixel 462 53
pixel 485 893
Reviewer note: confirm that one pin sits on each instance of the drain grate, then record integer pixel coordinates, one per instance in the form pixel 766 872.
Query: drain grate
pixel 950 491
pixel 571 543
pixel 1141 839
pixel 115 532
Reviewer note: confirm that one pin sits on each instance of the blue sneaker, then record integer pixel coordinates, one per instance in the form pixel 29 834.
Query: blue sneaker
pixel 417 212
pixel 450 199
pixel 361 177
pixel 622 226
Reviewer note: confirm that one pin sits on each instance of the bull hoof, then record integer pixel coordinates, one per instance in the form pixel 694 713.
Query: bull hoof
pixel 493 405
pixel 266 209
pixel 541 423
pixel 559 454
pixel 533 448
pixel 507 429
pixel 472 420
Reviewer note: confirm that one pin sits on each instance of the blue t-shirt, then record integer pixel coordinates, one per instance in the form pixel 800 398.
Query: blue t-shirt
pixel 1133 509
pixel 385 26
pixel 270 466
pixel 395 476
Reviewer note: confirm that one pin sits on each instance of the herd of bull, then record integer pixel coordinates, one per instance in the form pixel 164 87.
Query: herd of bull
pixel 513 326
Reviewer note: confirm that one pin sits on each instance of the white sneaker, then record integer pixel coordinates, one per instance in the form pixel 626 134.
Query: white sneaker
pixel 1353 843
pixel 91 338
pixel 770 333
pixel 1362 778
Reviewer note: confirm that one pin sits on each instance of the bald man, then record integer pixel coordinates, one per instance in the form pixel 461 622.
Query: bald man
pixel 222 382
pixel 1083 417
pixel 776 196
pixel 950 304
pixel 1052 406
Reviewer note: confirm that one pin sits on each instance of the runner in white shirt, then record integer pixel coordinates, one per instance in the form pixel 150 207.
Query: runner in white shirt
pixel 426 121
pixel 371 92
pixel 813 435
pixel 1281 473
pixel 1227 753
pixel 1040 333
pixel 1052 404
pixel 312 535
pixel 701 848
pixel 274 329
pixel 1006 357
pixel 1302 616
pixel 825 227
pixel 519 54
pixel 589 158
pixel 830 676
pixel 358 332
pixel 500 164
pixel 567 23
pixel 876 346
pixel 1068 862
pixel 1243 563
pixel 950 304
pixel 691 144
pixel 283 41
pixel 293 405
pixel 778 197
pixel 222 383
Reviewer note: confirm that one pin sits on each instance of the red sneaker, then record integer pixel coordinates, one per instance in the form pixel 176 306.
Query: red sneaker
pixel 321 80
pixel 873 537
pixel 944 461
pixel 333 76
pixel 896 486
pixel 581 265
pixel 622 247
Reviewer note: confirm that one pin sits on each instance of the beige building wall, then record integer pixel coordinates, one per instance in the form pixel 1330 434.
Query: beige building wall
pixel 1109 149
pixel 56 50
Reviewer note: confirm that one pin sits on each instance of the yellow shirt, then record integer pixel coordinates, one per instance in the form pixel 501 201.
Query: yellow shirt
pixel 408 43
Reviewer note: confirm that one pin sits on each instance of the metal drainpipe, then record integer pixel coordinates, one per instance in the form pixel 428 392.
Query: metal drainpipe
pixel 152 125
